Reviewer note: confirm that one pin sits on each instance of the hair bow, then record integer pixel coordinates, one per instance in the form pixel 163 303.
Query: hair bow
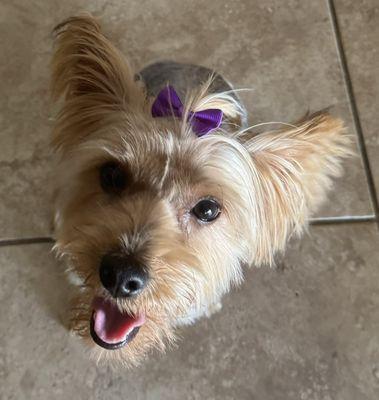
pixel 168 104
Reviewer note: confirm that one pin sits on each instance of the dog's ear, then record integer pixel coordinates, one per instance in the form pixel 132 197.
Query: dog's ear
pixel 292 171
pixel 91 76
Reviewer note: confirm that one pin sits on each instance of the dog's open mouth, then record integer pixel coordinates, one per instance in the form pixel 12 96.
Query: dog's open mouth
pixel 110 328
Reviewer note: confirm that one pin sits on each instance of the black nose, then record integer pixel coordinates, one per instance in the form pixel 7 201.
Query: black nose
pixel 122 276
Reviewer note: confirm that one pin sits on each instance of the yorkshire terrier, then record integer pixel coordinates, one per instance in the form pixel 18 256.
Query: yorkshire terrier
pixel 164 195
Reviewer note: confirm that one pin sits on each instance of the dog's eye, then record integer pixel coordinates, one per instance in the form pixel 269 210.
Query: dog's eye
pixel 206 210
pixel 113 178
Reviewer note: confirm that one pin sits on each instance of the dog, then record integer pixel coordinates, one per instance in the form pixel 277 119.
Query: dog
pixel 163 195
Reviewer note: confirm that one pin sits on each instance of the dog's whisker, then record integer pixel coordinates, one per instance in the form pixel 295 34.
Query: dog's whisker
pixel 249 128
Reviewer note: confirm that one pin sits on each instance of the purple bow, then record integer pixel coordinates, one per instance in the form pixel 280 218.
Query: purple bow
pixel 168 104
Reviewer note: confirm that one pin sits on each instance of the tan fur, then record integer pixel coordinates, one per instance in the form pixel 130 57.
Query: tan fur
pixel 268 186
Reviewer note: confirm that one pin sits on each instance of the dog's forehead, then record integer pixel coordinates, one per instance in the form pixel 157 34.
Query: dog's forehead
pixel 165 156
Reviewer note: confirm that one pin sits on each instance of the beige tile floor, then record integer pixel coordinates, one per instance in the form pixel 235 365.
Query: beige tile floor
pixel 307 330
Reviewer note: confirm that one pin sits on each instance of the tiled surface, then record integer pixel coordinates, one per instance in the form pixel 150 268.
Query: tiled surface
pixel 307 330
pixel 360 33
pixel 24 131
pixel 283 50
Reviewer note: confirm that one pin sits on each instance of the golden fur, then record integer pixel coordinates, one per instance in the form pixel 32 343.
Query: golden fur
pixel 268 185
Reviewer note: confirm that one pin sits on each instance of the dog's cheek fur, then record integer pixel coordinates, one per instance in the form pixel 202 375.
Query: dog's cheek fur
pixel 220 255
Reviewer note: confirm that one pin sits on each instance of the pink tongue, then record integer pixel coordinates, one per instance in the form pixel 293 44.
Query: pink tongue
pixel 110 325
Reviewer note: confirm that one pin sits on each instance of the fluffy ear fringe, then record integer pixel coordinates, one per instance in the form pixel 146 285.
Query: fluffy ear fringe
pixel 293 170
pixel 85 62
pixel 91 76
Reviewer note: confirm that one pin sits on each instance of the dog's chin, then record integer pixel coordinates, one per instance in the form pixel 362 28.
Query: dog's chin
pixel 110 328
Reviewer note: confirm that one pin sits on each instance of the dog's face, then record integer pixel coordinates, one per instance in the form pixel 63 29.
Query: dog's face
pixel 156 222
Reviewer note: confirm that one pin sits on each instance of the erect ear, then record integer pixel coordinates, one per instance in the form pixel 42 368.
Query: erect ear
pixel 293 169
pixel 92 77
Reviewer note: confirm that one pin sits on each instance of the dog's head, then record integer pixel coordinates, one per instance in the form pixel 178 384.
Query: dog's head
pixel 156 222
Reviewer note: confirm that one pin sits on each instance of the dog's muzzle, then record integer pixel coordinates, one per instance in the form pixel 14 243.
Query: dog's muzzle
pixel 123 276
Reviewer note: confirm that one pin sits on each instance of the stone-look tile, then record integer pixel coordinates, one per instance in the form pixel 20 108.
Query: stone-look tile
pixel 285 52
pixel 306 330
pixel 24 132
pixel 359 23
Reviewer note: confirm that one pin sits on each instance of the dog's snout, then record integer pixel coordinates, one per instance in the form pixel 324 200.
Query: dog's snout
pixel 122 276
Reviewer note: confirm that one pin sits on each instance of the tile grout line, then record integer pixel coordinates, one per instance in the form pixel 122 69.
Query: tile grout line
pixel 354 108
pixel 29 240
pixel 344 219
